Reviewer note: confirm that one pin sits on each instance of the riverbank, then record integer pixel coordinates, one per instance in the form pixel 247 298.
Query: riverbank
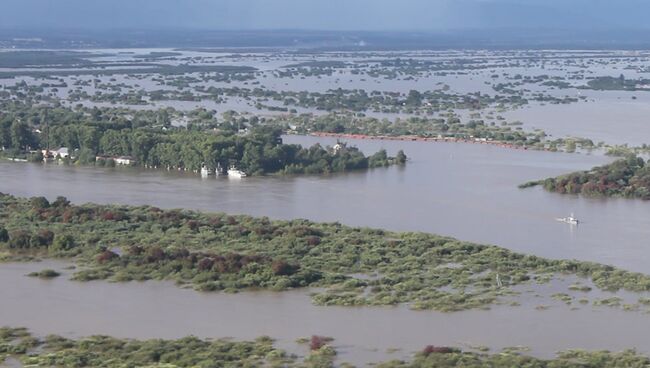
pixel 415 138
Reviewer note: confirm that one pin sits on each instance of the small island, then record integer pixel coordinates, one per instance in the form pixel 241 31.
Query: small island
pixel 112 137
pixel 619 83
pixel 218 252
pixel 628 177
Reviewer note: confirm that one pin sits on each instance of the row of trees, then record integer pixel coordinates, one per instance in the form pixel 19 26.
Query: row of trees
pixel 260 152
pixel 152 141
pixel 17 135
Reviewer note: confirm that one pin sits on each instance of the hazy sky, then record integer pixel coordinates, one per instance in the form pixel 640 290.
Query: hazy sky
pixel 325 14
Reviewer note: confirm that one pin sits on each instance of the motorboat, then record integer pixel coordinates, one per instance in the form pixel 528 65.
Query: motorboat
pixel 233 172
pixel 205 171
pixel 569 220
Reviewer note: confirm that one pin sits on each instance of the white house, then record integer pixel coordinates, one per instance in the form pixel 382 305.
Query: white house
pixel 338 147
pixel 125 160
pixel 62 152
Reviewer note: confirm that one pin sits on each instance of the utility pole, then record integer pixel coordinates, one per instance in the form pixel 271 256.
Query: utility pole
pixel 47 130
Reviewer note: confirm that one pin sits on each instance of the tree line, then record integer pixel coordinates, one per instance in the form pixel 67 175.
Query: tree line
pixel 152 141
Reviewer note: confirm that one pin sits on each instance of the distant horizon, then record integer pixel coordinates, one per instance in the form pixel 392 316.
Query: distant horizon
pixel 175 37
pixel 326 15
pixel 322 30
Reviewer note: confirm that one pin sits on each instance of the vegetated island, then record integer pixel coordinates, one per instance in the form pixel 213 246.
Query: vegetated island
pixel 619 83
pixel 628 177
pixel 108 352
pixel 212 252
pixel 98 139
pixel 443 129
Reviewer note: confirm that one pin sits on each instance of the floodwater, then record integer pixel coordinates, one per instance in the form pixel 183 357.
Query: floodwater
pixel 611 117
pixel 468 191
pixel 461 190
pixel 362 335
pixel 615 117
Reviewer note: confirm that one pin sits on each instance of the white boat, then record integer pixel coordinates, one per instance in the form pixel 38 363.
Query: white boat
pixel 233 172
pixel 569 220
pixel 205 171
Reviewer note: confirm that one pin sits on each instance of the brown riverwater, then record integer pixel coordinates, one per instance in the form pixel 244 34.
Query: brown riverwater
pixel 463 190
pixel 467 191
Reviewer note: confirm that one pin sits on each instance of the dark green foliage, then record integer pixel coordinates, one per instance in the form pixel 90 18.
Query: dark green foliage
pixel 39 203
pixel 45 274
pixel 401 158
pixel 42 238
pixel 414 126
pixel 629 177
pixel 4 235
pixel 63 242
pixel 107 133
pixel 616 83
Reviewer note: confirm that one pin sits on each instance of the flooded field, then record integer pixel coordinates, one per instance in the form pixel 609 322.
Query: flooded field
pixel 551 84
pixel 362 335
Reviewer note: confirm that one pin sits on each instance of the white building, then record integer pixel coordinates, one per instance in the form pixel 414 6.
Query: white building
pixel 125 160
pixel 62 152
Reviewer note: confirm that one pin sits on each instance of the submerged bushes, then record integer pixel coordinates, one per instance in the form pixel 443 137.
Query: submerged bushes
pixel 222 252
pixel 104 351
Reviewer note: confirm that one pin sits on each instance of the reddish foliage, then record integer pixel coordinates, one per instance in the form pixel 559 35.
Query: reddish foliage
pixel 313 240
pixel 192 225
pixel 233 262
pixel 430 349
pixel 112 216
pixel 216 222
pixel 318 342
pixel 283 268
pixel 68 214
pixel 106 256
pixel 155 254
pixel 264 230
pixel 205 264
